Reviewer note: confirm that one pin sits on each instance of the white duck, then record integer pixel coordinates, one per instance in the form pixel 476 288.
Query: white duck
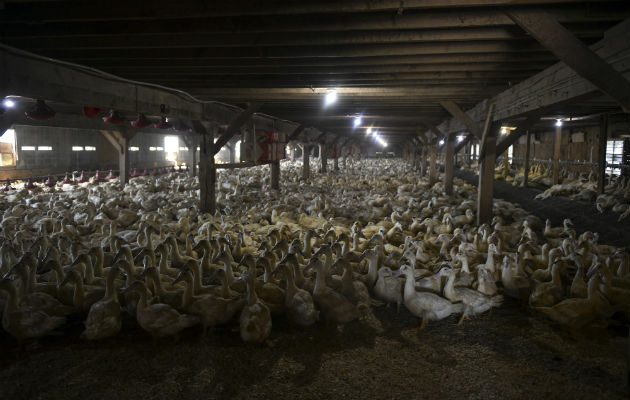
pixel 425 305
pixel 255 320
pixel 104 318
pixel 388 288
pixel 475 303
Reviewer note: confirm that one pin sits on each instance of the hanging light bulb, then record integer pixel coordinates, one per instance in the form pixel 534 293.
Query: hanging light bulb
pixel 330 98
pixel 141 121
pixel 91 112
pixel 441 142
pixel 369 130
pixel 40 111
pixel 357 121
pixel 163 124
pixel 558 122
pixel 8 103
pixel 113 118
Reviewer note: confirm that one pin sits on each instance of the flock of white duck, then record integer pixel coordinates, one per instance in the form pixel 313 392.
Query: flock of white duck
pixel 325 250
pixel 576 185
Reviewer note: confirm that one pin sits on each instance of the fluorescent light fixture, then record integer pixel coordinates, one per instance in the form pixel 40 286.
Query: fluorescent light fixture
pixel 151 148
pixel 90 148
pixel 357 121
pixel 381 141
pixel 77 148
pixel 134 148
pixel 441 142
pixel 331 97
pixel 558 122
pixel 159 148
pixel 183 149
pixel 28 148
pixel 8 103
pixel 44 148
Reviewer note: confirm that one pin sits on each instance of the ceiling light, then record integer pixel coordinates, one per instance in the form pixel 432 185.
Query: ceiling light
pixel 369 130
pixel 357 121
pixel 441 142
pixel 113 118
pixel 503 130
pixel 8 103
pixel 40 111
pixel 460 138
pixel 141 121
pixel 558 122
pixel 331 97
pixel 381 141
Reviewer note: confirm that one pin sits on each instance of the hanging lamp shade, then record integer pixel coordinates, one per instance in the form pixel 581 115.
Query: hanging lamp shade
pixel 97 178
pixel 163 124
pixel 141 121
pixel 113 118
pixel 67 180
pixel 40 111
pixel 91 112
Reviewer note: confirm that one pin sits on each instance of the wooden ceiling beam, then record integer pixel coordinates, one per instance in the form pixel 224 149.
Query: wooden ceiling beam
pixel 546 29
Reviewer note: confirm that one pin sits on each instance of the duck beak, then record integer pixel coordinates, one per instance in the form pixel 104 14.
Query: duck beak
pixel 65 280
pixel 178 278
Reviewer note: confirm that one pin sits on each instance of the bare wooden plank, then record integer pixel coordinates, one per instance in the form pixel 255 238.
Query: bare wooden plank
pixel 522 128
pixel 448 164
pixel 275 175
pixel 527 153
pixel 557 144
pixel 485 188
pixel 207 172
pixel 564 45
pixel 458 113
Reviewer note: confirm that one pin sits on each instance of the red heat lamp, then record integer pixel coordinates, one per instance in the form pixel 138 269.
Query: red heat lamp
pixel 163 124
pixel 113 118
pixel 67 180
pixel 29 184
pixel 40 111
pixel 134 173
pixel 141 121
pixel 97 178
pixel 111 175
pixel 50 182
pixel 82 178
pixel 145 173
pixel 91 112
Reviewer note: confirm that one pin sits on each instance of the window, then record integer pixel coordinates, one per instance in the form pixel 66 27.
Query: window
pixel 151 148
pixel 7 149
pixel 171 145
pixel 510 153
pixel 90 148
pixel 183 149
pixel 159 148
pixel 44 148
pixel 28 148
pixel 77 148
pixel 614 155
pixel 237 151
pixel 198 148
pixel 134 148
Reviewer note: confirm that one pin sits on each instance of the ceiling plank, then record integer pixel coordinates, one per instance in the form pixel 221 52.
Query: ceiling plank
pixel 561 42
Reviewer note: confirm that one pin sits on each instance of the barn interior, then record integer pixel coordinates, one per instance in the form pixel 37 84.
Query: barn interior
pixel 306 199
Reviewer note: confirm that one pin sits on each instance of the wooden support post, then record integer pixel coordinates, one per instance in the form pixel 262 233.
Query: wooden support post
pixel 527 151
pixel 336 160
pixel 192 151
pixel 306 169
pixel 207 171
pixel 275 175
pixel 423 162
pixel 448 164
pixel 485 189
pixel 235 126
pixel 323 158
pixel 120 140
pixel 556 155
pixel 601 158
pixel 432 162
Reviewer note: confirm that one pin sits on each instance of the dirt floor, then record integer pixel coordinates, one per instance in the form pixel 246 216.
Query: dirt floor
pixel 509 355
pixel 583 215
